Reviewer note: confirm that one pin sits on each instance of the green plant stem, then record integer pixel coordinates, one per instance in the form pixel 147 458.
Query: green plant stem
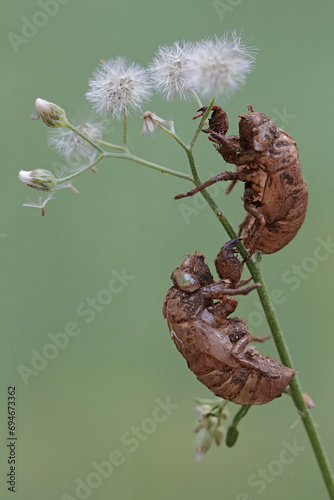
pixel 240 414
pixel 200 125
pixel 110 145
pixel 84 137
pixel 197 99
pixel 76 174
pixel 188 148
pixel 125 131
pixel 127 156
pixel 176 137
pixel 154 166
pixel 296 391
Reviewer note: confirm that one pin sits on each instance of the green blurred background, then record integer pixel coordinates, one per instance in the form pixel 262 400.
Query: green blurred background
pixel 75 410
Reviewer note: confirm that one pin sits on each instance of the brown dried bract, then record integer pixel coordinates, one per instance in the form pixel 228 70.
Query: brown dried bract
pixel 215 346
pixel 267 161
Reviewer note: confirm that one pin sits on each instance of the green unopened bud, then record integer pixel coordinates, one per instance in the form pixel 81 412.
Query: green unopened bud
pixel 218 434
pixel 52 115
pixel 203 442
pixel 232 436
pixel 40 179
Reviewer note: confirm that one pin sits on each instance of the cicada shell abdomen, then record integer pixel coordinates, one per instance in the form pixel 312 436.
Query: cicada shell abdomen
pixel 246 378
pixel 283 197
pixel 257 383
pixel 216 347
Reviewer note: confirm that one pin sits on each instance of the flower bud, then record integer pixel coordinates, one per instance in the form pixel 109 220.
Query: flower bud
pixel 202 409
pixel 308 401
pixel 218 434
pixel 40 179
pixel 232 436
pixel 52 115
pixel 212 421
pixel 203 442
pixel 200 424
pixel 225 414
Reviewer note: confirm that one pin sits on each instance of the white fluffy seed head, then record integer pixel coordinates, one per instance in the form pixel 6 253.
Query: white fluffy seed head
pixel 169 71
pixel 72 146
pixel 220 65
pixel 118 86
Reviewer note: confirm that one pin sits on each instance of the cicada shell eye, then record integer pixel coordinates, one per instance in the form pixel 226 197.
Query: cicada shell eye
pixel 195 266
pixel 185 281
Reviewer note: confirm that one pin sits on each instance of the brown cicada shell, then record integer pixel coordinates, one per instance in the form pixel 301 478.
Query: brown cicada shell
pixel 215 346
pixel 267 161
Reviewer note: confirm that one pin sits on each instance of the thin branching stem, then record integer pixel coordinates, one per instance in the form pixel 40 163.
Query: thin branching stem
pixel 79 172
pixel 296 391
pixel 110 145
pixel 126 156
pixel 84 137
pixel 175 136
pixel 125 130
pixel 155 166
pixel 200 125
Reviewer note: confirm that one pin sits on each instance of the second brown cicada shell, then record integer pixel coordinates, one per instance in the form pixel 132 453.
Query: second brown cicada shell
pixel 216 347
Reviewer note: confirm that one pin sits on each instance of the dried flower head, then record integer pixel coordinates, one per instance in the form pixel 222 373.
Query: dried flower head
pixel 220 65
pixel 118 86
pixel 169 73
pixel 72 146
pixel 153 121
pixel 52 115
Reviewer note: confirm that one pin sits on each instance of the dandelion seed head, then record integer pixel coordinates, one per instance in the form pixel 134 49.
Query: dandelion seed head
pixel 118 86
pixel 72 146
pixel 220 65
pixel 168 71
